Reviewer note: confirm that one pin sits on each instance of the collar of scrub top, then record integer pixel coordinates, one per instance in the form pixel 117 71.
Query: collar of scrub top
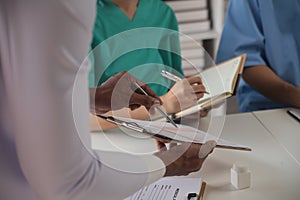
pixel 99 2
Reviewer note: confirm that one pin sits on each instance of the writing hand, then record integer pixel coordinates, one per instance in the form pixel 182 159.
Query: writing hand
pixel 118 92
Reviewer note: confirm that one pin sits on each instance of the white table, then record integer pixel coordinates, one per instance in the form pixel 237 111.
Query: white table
pixel 275 174
pixel 284 128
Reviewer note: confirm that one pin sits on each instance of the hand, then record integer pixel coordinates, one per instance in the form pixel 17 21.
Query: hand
pixel 183 94
pixel 185 158
pixel 120 91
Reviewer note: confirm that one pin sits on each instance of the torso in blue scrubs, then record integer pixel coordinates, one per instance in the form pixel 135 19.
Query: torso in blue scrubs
pixel 269 32
pixel 146 63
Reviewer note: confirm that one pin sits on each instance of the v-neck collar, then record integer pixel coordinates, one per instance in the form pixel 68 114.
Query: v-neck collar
pixel 135 17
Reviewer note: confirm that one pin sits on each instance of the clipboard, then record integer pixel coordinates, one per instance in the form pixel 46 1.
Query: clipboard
pixel 199 196
pixel 168 136
pixel 202 190
pixel 172 188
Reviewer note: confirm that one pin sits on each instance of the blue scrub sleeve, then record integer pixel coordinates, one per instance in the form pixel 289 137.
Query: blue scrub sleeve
pixel 242 33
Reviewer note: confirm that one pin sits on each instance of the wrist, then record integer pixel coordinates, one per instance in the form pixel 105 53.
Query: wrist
pixel 100 100
pixel 296 97
pixel 167 105
pixel 293 95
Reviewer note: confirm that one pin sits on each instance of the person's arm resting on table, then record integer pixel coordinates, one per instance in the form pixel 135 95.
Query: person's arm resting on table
pixel 265 81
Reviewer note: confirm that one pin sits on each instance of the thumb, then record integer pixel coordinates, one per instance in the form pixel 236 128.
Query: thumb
pixel 147 101
pixel 207 148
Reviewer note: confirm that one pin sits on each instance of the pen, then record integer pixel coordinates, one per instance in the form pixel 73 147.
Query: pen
pixel 173 77
pixel 158 107
pixel 121 123
pixel 170 76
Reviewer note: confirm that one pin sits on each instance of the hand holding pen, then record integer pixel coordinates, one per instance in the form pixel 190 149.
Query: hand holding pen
pixel 174 78
pixel 119 92
pixel 158 107
pixel 184 93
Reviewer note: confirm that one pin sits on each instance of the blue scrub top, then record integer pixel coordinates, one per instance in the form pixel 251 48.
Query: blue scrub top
pixel 268 31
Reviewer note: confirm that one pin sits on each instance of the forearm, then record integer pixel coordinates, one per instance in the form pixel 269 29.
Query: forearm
pixel 265 81
pixel 96 123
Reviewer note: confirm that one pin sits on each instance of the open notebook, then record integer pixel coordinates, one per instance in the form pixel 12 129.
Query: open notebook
pixel 220 81
pixel 167 132
pixel 179 188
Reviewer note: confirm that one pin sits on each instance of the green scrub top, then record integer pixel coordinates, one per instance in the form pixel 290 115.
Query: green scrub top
pixel 145 63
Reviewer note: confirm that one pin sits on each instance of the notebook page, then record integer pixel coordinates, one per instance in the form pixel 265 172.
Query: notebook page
pixel 218 80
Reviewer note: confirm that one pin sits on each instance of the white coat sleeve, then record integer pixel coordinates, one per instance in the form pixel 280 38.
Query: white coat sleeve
pixel 46 43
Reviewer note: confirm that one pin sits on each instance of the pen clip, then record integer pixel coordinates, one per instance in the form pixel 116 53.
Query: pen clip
pixel 170 76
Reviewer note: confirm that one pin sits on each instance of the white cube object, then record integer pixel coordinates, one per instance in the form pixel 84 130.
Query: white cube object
pixel 240 176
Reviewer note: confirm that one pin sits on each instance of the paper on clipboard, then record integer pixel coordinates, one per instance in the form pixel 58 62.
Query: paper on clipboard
pixel 170 188
pixel 182 133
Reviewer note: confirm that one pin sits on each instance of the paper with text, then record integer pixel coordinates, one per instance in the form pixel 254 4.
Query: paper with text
pixel 169 188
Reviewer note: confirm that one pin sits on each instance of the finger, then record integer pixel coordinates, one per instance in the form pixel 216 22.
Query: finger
pixel 203 113
pixel 134 106
pixel 194 164
pixel 192 150
pixel 161 146
pixel 194 80
pixel 207 148
pixel 139 99
pixel 199 88
pixel 199 95
pixel 173 144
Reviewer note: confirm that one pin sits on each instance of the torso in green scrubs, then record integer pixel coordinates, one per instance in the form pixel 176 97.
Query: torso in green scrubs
pixel 145 64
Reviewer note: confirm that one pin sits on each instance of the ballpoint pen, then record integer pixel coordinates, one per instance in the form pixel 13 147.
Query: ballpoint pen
pixel 158 107
pixel 173 77
pixel 170 76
